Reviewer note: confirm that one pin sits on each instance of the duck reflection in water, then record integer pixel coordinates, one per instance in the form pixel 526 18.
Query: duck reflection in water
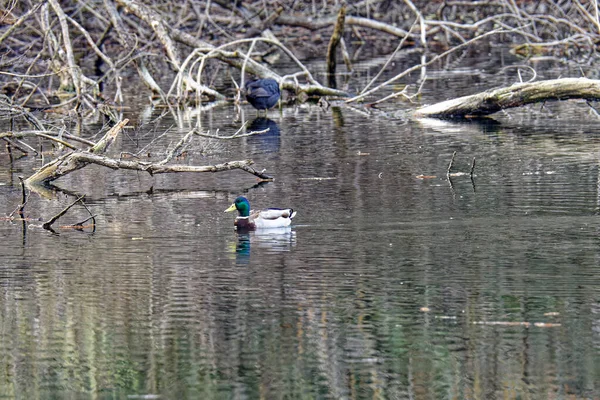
pixel 272 240
pixel 242 249
pixel 268 142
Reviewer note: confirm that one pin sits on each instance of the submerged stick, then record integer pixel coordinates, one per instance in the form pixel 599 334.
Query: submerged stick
pixel 23 197
pixel 48 225
pixel 451 163
pixel 79 225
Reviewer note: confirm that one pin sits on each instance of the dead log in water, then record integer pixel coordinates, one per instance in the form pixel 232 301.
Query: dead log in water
pixel 76 160
pixel 517 95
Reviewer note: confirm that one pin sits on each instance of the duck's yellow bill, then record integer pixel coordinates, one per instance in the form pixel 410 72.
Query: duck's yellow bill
pixel 231 208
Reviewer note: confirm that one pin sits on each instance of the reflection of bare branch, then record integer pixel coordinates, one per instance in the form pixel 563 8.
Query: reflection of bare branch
pixel 21 208
pixel 48 224
pixel 236 135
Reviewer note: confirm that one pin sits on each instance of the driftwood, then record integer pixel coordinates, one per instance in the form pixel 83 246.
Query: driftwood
pixel 75 160
pixel 80 159
pixel 521 94
pixel 68 163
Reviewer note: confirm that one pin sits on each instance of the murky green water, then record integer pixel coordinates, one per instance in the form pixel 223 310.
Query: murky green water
pixel 387 286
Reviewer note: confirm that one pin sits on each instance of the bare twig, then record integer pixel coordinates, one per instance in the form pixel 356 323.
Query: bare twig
pixel 472 168
pixel 451 163
pixel 19 22
pixel 236 135
pixel 73 68
pixel 178 149
pixel 416 67
pixel 79 225
pixel 45 135
pixel 390 59
pixel 21 208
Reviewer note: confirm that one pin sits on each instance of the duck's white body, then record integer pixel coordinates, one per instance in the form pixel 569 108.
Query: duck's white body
pixel 271 217
pixel 267 218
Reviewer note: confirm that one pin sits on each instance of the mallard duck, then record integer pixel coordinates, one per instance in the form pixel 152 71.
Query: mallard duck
pixel 262 93
pixel 267 218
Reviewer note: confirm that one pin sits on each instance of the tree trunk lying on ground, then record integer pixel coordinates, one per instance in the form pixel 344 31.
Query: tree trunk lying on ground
pixel 517 95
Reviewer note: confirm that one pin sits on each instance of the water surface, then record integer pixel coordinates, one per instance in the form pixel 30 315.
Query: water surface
pixel 389 285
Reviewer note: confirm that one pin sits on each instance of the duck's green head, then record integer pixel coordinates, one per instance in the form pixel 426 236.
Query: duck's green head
pixel 242 205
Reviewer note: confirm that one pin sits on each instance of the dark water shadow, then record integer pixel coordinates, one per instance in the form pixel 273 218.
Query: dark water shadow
pixel 268 142
pixel 273 240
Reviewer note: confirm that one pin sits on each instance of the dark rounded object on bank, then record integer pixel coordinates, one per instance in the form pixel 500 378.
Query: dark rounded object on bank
pixel 262 93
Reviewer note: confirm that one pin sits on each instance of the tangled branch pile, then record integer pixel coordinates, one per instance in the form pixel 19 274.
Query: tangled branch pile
pixel 182 51
pixel 92 56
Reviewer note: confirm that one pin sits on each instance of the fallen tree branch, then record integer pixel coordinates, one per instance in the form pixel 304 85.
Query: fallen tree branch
pixel 76 160
pixel 66 163
pixel 517 95
pixel 84 158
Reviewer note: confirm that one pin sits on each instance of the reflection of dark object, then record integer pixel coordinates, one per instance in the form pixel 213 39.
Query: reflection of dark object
pixel 242 249
pixel 262 93
pixel 268 142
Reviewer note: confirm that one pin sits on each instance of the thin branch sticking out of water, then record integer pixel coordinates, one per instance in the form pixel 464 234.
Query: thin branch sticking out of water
pixel 450 165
